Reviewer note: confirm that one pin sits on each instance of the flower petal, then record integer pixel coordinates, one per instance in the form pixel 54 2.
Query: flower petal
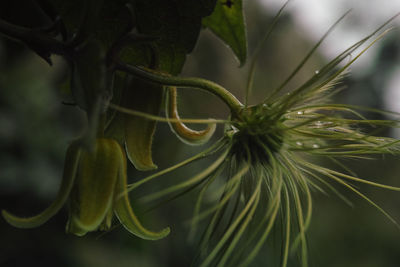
pixel 125 214
pixel 93 193
pixel 70 169
pixel 146 97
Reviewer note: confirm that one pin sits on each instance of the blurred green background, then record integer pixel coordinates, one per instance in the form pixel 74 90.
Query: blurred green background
pixel 35 128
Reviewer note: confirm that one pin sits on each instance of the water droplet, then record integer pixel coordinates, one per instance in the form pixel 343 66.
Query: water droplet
pixel 380 139
pixel 299 143
pixel 300 112
pixel 317 72
pixel 315 146
pixel 320 124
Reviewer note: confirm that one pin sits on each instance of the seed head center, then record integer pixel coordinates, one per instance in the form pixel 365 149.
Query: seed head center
pixel 257 132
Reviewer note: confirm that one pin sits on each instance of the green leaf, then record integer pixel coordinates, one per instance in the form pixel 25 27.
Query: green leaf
pixel 227 22
pixel 176 24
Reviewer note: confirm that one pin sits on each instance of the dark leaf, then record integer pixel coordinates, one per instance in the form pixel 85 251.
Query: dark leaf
pixel 227 22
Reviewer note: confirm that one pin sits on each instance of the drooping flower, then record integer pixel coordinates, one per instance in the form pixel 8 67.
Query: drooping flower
pixel 94 182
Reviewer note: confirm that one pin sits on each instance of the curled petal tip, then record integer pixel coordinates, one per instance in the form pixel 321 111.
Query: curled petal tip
pixel 131 223
pixel 141 161
pixel 20 222
pixel 154 235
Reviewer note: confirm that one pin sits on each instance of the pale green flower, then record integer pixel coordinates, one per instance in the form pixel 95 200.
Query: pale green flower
pixel 93 184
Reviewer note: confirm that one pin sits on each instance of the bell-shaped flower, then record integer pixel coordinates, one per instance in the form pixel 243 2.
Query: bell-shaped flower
pixel 94 182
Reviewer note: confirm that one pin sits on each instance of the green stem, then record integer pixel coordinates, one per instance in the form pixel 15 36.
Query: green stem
pixel 233 103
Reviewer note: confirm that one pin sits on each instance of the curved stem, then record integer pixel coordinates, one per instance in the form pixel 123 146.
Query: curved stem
pixel 233 103
pixel 184 133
